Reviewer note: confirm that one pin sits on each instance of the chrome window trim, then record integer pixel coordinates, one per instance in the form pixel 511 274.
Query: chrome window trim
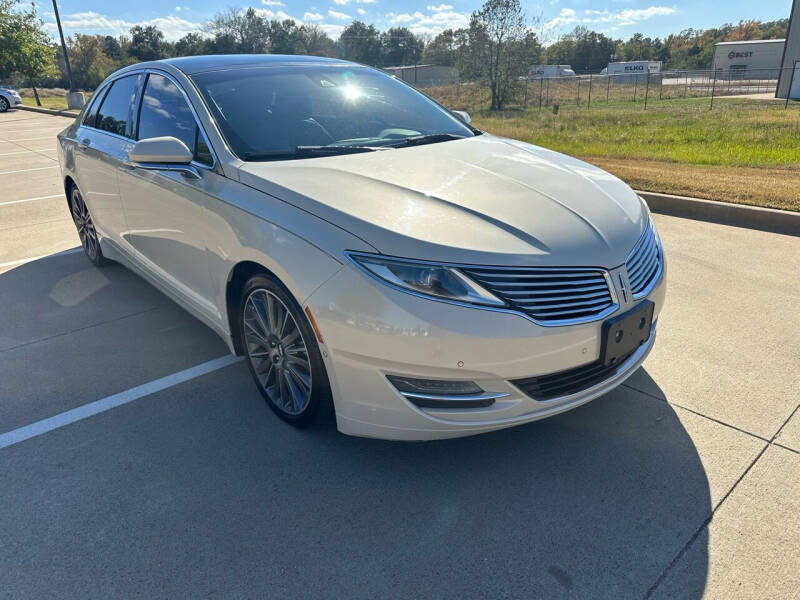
pixel 139 96
pixel 200 128
pixel 105 88
pixel 349 254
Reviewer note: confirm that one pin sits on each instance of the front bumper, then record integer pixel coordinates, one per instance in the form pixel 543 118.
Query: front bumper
pixel 371 330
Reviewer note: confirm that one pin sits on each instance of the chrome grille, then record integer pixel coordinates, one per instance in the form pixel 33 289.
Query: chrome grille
pixel 551 296
pixel 644 263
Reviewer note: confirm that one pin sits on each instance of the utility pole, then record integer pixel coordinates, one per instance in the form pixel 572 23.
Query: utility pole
pixel 64 47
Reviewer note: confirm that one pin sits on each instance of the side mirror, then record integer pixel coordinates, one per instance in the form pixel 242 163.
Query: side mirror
pixel 165 150
pixel 463 115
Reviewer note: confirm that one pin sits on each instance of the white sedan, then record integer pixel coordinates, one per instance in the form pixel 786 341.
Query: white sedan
pixel 9 98
pixel 364 248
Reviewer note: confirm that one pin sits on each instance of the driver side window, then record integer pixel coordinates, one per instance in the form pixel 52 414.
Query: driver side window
pixel 164 112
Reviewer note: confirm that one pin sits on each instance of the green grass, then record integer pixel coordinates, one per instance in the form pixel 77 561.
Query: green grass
pixel 742 151
pixel 735 133
pixel 53 102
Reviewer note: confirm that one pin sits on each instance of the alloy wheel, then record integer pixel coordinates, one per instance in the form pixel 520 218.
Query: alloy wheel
pixel 277 352
pixel 3 104
pixel 83 221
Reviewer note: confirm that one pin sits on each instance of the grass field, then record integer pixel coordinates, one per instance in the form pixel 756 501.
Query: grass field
pixel 744 151
pixel 55 98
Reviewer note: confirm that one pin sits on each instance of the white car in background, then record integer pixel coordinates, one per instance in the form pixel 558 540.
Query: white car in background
pixel 363 247
pixel 9 98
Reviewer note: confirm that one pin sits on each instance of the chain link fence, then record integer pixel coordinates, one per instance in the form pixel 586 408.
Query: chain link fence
pixel 676 89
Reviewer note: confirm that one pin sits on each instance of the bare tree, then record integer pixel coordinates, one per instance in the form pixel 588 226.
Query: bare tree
pixel 503 45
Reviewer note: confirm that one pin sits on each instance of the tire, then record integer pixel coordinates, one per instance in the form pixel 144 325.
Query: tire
pixel 282 352
pixel 4 105
pixel 86 230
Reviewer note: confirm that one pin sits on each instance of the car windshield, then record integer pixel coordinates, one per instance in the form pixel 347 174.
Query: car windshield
pixel 277 113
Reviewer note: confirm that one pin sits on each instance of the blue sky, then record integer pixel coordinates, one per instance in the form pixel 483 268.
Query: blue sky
pixel 618 18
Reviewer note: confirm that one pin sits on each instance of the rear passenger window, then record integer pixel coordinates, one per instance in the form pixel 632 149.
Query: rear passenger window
pixel 114 115
pixel 91 114
pixel 165 112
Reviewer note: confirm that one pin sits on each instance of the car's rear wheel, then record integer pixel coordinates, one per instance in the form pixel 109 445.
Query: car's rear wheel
pixel 86 229
pixel 3 104
pixel 282 352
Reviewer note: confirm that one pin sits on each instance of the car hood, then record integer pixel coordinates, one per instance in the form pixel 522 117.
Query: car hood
pixel 480 200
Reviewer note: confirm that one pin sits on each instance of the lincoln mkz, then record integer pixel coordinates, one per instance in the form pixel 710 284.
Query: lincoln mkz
pixel 365 249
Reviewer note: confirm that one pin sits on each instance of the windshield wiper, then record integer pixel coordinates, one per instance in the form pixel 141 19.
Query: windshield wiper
pixel 310 151
pixel 302 151
pixel 431 138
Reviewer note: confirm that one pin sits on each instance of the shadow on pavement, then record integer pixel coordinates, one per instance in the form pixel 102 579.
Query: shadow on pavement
pixel 200 490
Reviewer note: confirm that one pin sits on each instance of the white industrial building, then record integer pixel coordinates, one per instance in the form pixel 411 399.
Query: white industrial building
pixel 757 59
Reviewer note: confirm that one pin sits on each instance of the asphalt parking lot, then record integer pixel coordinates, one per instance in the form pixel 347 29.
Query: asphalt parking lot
pixel 683 483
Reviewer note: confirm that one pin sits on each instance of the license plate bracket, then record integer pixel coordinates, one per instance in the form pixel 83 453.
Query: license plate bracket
pixel 626 332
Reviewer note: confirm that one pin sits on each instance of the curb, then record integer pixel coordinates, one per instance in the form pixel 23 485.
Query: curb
pixel 738 215
pixel 47 111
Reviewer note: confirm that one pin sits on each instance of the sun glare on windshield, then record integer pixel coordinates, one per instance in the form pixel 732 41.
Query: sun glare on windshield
pixel 351 92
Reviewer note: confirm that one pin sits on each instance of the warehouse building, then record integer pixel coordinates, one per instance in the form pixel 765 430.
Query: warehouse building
pixel 425 75
pixel 758 59
pixel 789 82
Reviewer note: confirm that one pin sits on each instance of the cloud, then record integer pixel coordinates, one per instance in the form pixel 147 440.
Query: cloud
pixel 172 26
pixel 272 3
pixel 345 2
pixel 338 15
pixel 334 31
pixel 615 18
pixel 309 16
pixel 433 22
pixel 271 14
pixel 361 11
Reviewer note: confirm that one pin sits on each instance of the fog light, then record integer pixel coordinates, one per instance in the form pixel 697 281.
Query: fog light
pixel 433 386
pixel 438 393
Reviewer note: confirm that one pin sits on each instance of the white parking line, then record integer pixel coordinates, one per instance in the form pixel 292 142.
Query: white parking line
pixel 88 410
pixel 31 199
pixel 26 170
pixel 22 261
pixel 20 152
pixel 50 137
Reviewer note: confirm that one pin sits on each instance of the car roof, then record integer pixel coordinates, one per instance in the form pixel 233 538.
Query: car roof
pixel 196 64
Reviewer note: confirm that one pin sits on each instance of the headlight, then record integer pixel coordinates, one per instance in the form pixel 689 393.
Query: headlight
pixel 428 279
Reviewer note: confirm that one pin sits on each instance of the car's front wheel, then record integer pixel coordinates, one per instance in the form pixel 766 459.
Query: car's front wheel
pixel 86 229
pixel 3 104
pixel 282 352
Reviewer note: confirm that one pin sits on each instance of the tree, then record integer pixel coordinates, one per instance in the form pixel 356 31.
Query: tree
pixel 112 48
pixel 191 44
pixel 285 37
pixel 443 49
pixel 147 43
pixel 504 47
pixel 237 30
pixel 24 46
pixel 317 42
pixel 360 43
pixel 585 50
pixel 400 47
pixel 90 64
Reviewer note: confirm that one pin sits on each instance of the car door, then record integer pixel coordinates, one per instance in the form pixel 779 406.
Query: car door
pixel 104 139
pixel 165 209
